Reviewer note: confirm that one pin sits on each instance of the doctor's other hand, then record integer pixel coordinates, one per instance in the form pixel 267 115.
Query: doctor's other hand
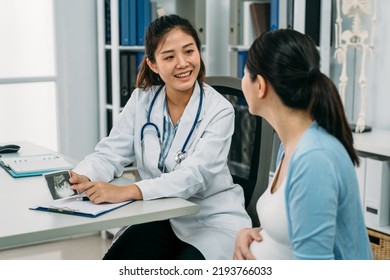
pixel 243 240
pixel 101 192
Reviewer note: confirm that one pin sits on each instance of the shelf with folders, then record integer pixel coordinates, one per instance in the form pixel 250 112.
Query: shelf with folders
pixel 121 27
pixel 249 19
pixel 129 60
pixel 310 17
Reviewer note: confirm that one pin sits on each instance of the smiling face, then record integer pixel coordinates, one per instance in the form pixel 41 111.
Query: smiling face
pixel 177 61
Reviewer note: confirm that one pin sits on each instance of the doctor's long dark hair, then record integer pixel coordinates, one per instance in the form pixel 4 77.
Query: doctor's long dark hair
pixel 290 62
pixel 154 34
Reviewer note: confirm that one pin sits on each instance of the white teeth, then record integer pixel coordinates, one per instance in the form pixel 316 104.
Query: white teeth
pixel 183 75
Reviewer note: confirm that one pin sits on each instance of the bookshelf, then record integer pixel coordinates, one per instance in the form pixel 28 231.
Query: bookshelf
pixel 313 18
pixel 248 19
pixel 309 17
pixel 120 51
pixel 118 60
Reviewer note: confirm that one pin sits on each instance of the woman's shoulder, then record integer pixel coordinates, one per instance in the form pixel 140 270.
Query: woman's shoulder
pixel 316 137
pixel 316 142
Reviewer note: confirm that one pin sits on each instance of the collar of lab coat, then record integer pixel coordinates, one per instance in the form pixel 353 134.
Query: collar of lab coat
pixel 185 125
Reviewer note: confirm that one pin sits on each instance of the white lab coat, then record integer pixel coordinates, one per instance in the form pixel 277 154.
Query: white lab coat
pixel 203 177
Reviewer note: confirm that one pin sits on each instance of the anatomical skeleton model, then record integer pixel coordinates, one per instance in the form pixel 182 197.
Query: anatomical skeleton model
pixel 355 38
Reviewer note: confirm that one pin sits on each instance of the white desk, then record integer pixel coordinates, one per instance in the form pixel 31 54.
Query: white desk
pixel 376 143
pixel 20 226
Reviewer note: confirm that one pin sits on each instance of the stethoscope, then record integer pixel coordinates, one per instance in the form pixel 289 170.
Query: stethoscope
pixel 181 154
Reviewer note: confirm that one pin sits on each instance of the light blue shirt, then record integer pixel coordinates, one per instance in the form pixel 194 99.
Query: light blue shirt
pixel 324 213
pixel 169 132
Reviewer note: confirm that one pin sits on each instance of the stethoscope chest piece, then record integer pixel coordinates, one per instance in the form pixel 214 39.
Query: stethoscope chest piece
pixel 180 156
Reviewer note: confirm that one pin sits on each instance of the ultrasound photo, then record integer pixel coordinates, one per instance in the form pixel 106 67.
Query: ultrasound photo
pixel 59 185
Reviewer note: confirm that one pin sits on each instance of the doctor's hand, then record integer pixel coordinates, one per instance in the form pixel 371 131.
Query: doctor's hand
pixel 101 192
pixel 75 178
pixel 243 240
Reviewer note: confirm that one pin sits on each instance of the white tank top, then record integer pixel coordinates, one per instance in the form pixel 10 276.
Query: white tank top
pixel 271 209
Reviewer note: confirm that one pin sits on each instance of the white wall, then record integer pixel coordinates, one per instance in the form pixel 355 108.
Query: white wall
pixel 378 74
pixel 217 37
pixel 76 30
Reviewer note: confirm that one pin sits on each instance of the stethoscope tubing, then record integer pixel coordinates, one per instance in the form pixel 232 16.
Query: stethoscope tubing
pixel 180 155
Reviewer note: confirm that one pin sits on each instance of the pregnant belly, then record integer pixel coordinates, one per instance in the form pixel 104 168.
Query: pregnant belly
pixel 269 249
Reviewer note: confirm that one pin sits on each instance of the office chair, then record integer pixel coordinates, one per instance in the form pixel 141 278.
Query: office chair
pixel 250 154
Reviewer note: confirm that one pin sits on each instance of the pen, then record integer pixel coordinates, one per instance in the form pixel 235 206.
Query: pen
pixel 83 198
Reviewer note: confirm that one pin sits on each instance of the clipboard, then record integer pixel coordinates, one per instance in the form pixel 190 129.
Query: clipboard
pixel 67 201
pixel 74 206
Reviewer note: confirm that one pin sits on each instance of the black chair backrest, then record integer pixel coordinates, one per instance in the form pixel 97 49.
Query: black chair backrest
pixel 250 153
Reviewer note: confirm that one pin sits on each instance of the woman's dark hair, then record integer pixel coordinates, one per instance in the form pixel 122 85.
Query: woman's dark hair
pixel 154 34
pixel 290 62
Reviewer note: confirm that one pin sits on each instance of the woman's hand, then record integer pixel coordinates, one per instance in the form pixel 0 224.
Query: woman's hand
pixel 243 240
pixel 100 192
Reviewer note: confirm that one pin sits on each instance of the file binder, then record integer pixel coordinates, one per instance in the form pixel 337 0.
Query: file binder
pixel 128 75
pixel 361 176
pixel 274 14
pixel 125 77
pixel 108 77
pixel 107 23
pixel 144 18
pixel 260 13
pixel 109 121
pixel 140 56
pixel 377 195
pixel 248 31
pixel 35 165
pixel 312 20
pixel 73 206
pixel 241 60
pixel 127 19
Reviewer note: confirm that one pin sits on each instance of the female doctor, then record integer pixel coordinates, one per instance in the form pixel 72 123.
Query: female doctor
pixel 178 131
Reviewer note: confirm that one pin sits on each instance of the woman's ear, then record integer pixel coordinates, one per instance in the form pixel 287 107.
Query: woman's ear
pixel 151 65
pixel 262 84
